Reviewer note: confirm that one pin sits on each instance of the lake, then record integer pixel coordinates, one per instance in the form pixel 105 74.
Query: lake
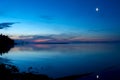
pixel 58 60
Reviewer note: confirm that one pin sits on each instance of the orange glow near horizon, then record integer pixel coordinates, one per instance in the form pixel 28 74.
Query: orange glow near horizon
pixel 41 40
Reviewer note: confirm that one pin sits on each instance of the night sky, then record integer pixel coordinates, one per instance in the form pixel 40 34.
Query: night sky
pixel 60 20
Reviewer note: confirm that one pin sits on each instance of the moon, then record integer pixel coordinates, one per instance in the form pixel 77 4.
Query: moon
pixel 97 9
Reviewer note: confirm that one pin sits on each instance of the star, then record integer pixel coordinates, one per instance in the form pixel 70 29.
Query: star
pixel 97 76
pixel 97 9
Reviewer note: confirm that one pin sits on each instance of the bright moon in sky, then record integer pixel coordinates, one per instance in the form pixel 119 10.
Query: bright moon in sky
pixel 97 9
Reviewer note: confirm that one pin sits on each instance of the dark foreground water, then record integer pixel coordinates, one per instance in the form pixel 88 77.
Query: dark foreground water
pixel 59 60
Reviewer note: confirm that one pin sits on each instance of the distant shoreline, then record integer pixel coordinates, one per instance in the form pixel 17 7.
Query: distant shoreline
pixel 82 42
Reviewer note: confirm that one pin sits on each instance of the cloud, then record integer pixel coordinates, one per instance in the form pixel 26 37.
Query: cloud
pixel 35 37
pixel 47 38
pixel 63 38
pixel 6 24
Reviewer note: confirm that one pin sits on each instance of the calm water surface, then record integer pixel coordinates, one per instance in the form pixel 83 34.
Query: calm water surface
pixel 58 60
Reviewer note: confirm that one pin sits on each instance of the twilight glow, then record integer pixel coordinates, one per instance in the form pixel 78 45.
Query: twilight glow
pixel 60 20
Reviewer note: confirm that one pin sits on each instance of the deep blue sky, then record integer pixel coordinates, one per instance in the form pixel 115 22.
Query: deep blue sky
pixel 73 18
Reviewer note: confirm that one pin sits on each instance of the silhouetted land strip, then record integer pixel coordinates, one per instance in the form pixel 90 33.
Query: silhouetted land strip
pixel 11 72
pixel 74 77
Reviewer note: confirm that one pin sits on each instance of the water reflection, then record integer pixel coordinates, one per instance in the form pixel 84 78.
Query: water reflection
pixel 67 47
pixel 59 60
pixel 5 49
pixel 4 60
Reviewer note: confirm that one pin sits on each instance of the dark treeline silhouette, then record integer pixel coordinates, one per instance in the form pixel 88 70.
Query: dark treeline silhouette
pixel 5 44
pixel 11 72
pixel 5 40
